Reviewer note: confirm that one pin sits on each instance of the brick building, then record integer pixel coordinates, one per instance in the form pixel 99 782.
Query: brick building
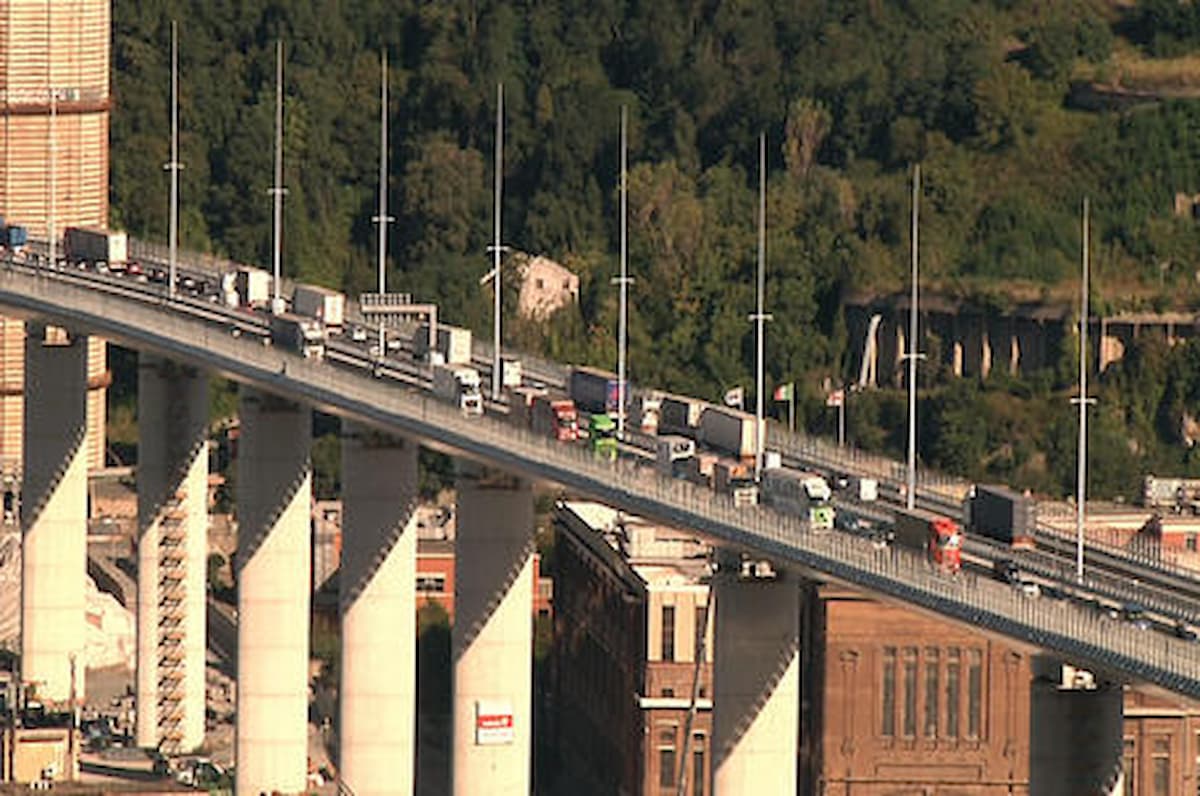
pixel 893 701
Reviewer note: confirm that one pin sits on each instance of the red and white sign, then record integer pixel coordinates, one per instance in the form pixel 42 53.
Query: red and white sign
pixel 835 398
pixel 493 722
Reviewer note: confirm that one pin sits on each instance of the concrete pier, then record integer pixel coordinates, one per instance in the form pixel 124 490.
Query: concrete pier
pixel 1076 732
pixel 756 684
pixel 172 482
pixel 54 514
pixel 492 639
pixel 378 612
pixel 274 492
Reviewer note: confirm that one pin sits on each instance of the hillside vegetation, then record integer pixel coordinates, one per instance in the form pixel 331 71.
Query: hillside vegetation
pixel 850 93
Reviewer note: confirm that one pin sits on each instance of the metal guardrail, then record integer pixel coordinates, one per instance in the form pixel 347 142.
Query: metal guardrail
pixel 147 322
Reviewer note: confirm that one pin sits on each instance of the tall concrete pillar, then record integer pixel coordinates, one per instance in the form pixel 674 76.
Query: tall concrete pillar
pixel 378 610
pixel 274 492
pixel 492 639
pixel 1076 732
pixel 172 482
pixel 54 514
pixel 756 685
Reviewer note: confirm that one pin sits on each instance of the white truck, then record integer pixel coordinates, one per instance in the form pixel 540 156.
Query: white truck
pixel 459 385
pixel 305 336
pixel 253 286
pixel 329 306
pixel 673 452
pixel 93 244
pixel 452 345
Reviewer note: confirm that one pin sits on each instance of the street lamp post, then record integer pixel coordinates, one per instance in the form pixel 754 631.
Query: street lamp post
pixel 912 355
pixel 278 190
pixel 760 316
pixel 496 247
pixel 173 165
pixel 623 281
pixel 383 219
pixel 1082 400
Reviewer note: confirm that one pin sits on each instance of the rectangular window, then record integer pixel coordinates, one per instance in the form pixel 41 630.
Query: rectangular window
pixel 974 693
pixel 931 692
pixel 888 725
pixel 953 671
pixel 668 633
pixel 701 625
pixel 1160 760
pixel 1129 761
pixel 698 766
pixel 666 767
pixel 910 692
pixel 431 584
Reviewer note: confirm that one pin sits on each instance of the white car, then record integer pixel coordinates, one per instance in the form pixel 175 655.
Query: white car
pixel 358 334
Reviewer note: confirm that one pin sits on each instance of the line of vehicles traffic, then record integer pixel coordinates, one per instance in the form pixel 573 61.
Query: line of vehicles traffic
pixel 679 436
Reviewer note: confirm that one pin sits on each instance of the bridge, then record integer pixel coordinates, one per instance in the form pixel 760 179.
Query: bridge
pixel 387 408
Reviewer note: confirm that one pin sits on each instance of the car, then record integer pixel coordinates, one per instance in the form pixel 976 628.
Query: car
pixel 1186 632
pixel 1005 570
pixel 1054 592
pixel 1135 614
pixel 358 334
pixel 1027 587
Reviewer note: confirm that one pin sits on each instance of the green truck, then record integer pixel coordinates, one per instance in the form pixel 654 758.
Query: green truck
pixel 602 437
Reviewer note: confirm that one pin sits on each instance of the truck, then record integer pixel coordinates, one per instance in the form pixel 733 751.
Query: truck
pixel 672 452
pixel 602 436
pixel 229 292
pixel 1177 495
pixel 801 493
pixel 452 345
pixel 1003 514
pixel 510 372
pixel 320 302
pixel 648 407
pixel 304 336
pixel 594 390
pixel 458 384
pixel 680 414
pixel 93 244
pixel 14 237
pixel 555 417
pixel 730 431
pixel 520 404
pixel 735 478
pixel 864 489
pixel 253 286
pixel 938 536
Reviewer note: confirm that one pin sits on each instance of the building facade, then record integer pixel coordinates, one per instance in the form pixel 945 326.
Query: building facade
pixel 54 106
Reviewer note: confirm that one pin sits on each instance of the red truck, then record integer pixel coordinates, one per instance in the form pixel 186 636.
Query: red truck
pixel 940 537
pixel 554 417
pixel 533 408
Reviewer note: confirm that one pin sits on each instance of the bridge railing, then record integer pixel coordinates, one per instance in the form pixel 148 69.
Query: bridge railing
pixel 1075 632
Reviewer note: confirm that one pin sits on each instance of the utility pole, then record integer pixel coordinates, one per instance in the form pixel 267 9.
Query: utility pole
pixel 173 165
pixel 913 354
pixel 760 316
pixel 278 191
pixel 383 219
pixel 1082 400
pixel 623 281
pixel 496 247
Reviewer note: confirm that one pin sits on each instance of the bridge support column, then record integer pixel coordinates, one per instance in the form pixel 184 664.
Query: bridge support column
pixel 274 491
pixel 493 634
pixel 172 483
pixel 756 684
pixel 378 611
pixel 54 514
pixel 1076 732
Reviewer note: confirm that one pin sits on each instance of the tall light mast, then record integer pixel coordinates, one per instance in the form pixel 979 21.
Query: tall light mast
pixel 623 280
pixel 51 141
pixel 173 165
pixel 496 246
pixel 383 219
pixel 760 316
pixel 913 354
pixel 1082 400
pixel 278 190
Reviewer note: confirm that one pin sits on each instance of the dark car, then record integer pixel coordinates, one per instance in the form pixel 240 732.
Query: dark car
pixel 1006 570
pixel 1184 631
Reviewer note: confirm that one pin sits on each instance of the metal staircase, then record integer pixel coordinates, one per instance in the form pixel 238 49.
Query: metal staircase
pixel 172 635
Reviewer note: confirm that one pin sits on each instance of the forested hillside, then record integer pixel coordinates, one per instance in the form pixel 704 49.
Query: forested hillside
pixel 849 92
